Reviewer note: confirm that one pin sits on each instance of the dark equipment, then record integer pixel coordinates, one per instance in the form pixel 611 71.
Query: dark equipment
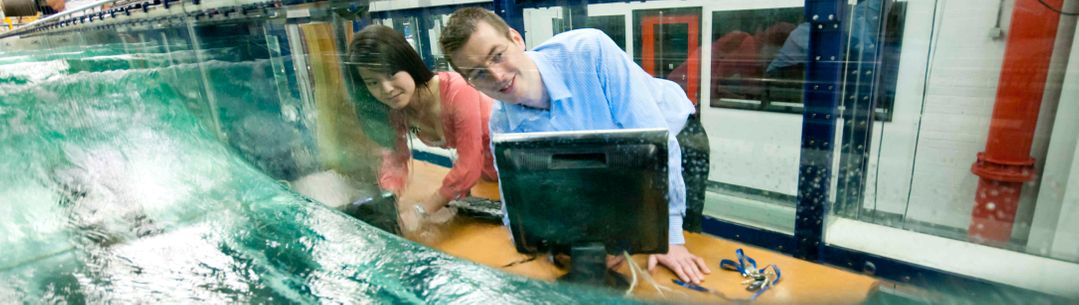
pixel 586 194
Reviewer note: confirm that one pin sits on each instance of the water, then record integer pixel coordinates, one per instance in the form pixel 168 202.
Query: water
pixel 116 189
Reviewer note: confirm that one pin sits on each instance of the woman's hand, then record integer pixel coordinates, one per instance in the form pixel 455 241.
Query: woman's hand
pixel 440 214
pixel 431 210
pixel 434 203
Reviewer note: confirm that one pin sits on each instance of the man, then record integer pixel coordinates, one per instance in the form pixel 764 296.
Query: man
pixel 578 80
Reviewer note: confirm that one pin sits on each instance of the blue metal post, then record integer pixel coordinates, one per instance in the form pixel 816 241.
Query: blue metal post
pixel 824 63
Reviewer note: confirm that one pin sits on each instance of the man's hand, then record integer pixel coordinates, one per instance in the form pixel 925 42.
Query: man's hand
pixel 690 268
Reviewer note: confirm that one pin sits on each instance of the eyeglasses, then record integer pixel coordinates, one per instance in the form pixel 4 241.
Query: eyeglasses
pixel 482 73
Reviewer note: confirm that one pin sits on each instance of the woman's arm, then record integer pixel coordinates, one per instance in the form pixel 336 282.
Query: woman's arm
pixel 463 105
pixel 393 174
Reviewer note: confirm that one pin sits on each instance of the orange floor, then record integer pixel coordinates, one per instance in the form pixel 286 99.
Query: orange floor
pixel 489 244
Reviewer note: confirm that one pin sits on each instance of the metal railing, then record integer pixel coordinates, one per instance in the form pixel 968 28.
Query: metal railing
pixel 112 9
pixel 55 17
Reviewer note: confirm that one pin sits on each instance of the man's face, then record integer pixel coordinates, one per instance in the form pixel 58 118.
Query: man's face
pixel 498 66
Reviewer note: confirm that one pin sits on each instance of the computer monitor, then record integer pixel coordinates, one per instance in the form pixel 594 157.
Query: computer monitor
pixel 585 193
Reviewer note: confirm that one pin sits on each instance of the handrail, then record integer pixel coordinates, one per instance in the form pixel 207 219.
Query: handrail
pixel 125 6
pixel 56 16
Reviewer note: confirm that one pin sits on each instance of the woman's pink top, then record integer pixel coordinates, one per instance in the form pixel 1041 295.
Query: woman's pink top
pixel 465 113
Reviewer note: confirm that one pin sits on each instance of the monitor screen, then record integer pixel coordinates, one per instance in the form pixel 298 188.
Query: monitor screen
pixel 562 189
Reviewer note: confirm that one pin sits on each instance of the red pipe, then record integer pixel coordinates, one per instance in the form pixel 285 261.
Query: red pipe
pixel 1006 162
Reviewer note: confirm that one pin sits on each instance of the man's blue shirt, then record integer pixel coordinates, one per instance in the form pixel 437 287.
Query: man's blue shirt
pixel 594 85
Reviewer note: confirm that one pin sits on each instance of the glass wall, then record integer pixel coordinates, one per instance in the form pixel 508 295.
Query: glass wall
pixel 930 175
pixel 222 131
pixel 204 151
pixel 919 116
pixel 753 137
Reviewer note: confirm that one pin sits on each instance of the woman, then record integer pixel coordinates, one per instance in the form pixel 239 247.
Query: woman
pixel 439 109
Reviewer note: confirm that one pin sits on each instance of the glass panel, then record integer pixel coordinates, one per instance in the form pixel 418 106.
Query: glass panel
pixel 435 25
pixel 742 186
pixel 159 153
pixel 754 67
pixel 614 26
pixel 913 180
pixel 938 160
pixel 754 151
pixel 185 151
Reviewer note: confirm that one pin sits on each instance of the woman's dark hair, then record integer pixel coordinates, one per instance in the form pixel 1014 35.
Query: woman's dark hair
pixel 380 48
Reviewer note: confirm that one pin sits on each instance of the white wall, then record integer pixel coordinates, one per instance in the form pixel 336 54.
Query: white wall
pixel 1066 238
pixel 1061 181
pixel 538 24
pixel 964 68
pixel 970 259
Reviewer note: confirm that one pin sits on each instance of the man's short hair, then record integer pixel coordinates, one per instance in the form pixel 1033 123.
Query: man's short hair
pixel 463 23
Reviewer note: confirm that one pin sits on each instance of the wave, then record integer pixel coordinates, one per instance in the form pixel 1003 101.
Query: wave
pixel 116 189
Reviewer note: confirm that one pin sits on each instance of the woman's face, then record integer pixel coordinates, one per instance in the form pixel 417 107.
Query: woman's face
pixel 395 90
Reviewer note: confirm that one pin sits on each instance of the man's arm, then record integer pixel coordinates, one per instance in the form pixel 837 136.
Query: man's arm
pixel 633 105
pixel 629 92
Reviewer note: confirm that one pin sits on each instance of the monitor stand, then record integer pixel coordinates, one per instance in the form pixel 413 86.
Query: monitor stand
pixel 588 266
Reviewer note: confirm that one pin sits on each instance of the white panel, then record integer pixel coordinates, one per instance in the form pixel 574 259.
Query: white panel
pixel 893 151
pixel 1066 239
pixel 753 148
pixel 538 25
pixel 964 68
pixel 983 262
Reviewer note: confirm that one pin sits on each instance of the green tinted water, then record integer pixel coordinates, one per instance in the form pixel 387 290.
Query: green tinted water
pixel 114 188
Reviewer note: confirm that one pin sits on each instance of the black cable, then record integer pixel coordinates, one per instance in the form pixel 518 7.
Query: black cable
pixel 1058 11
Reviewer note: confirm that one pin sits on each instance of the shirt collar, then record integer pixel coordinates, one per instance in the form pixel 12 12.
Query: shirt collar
pixel 552 82
pixel 552 78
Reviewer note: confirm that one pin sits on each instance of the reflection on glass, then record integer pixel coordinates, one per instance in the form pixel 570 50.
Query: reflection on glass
pixel 667 46
pixel 147 163
pixel 758 59
pixel 915 136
